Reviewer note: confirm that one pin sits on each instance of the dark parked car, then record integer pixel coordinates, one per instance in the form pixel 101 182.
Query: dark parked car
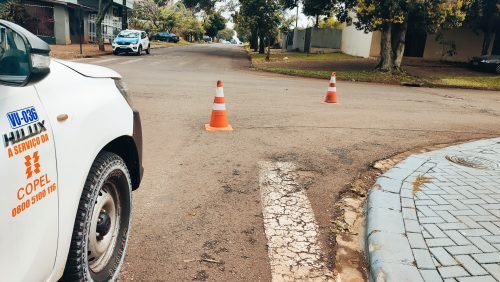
pixel 165 36
pixel 487 63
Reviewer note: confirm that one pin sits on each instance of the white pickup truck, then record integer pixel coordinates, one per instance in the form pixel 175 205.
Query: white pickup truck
pixel 70 156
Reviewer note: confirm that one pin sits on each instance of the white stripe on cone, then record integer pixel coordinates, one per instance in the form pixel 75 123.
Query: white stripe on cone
pixel 219 92
pixel 333 79
pixel 219 107
pixel 332 89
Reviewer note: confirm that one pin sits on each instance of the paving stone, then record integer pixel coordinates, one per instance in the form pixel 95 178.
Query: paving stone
pixel 462 212
pixel 447 216
pixel 409 213
pixel 434 230
pixel 493 269
pixel 487 257
pixel 474 232
pixel 452 271
pixel 423 259
pixel 432 219
pixel 482 244
pixel 407 203
pixel 426 211
pixel 430 275
pixel 412 226
pixel 458 238
pixel 492 239
pixel 462 250
pixel 440 242
pixel 416 240
pixel 471 265
pixel 487 278
pixel 442 256
pixel 452 226
pixel 479 210
pixel 469 222
pixel 495 230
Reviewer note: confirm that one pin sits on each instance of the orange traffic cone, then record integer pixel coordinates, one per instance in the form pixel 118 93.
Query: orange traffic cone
pixel 331 94
pixel 218 120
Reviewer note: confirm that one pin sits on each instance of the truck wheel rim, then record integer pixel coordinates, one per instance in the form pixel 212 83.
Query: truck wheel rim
pixel 104 227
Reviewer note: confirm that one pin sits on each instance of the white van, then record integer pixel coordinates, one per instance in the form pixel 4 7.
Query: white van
pixel 70 156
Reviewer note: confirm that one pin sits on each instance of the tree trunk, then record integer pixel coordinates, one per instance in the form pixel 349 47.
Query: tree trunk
pixel 317 21
pixel 103 9
pixel 386 54
pixel 254 40
pixel 268 54
pixel 399 45
pixel 486 42
pixel 262 45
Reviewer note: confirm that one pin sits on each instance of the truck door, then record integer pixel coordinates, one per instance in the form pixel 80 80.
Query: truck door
pixel 28 200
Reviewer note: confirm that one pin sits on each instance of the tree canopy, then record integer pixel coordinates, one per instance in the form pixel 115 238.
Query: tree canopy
pixel 214 23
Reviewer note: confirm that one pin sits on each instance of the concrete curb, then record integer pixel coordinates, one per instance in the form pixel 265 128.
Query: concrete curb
pixel 388 248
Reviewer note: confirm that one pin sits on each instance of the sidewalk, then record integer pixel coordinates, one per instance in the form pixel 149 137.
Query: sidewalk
pixel 436 216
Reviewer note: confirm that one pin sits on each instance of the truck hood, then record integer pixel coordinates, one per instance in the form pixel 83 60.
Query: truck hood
pixel 90 70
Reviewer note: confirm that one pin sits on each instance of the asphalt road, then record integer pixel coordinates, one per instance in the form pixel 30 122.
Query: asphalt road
pixel 200 195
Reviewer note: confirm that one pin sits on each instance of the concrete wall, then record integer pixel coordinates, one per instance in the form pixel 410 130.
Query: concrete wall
pixel 299 39
pixel 61 25
pixel 356 42
pixel 326 38
pixel 468 44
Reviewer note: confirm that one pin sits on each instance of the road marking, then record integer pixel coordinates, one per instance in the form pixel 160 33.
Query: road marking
pixel 291 230
pixel 105 60
pixel 130 61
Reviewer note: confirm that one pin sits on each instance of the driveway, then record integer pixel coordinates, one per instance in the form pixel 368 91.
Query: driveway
pixel 198 213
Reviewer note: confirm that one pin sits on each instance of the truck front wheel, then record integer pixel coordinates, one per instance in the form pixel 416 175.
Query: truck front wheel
pixel 100 234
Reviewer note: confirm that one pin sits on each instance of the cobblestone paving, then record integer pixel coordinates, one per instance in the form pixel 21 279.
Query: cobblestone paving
pixel 436 216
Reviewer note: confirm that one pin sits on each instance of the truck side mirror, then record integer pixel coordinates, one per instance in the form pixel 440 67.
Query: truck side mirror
pixel 24 57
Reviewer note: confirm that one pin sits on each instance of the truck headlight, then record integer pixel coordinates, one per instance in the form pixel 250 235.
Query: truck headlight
pixel 122 87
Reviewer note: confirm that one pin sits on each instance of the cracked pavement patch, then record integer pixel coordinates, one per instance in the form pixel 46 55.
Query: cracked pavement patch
pixel 290 227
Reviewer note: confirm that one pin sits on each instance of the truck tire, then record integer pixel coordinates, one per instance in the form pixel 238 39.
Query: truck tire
pixel 139 50
pixel 100 233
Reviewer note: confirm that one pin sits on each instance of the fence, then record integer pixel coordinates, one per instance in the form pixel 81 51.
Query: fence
pixel 111 26
pixel 41 21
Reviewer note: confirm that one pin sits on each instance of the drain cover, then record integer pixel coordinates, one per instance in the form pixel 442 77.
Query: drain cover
pixel 474 162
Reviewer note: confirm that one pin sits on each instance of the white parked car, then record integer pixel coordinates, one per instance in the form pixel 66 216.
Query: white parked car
pixel 131 41
pixel 70 156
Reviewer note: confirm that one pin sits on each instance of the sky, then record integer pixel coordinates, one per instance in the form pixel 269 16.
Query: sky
pixel 302 22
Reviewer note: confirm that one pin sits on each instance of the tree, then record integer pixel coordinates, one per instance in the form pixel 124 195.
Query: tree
pixel 260 19
pixel 317 8
pixel 104 6
pixel 15 11
pixel 214 23
pixel 391 18
pixel 226 34
pixel 330 22
pixel 198 5
pixel 484 15
pixel 146 15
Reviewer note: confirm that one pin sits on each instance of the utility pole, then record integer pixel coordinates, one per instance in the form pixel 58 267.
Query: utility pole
pixel 297 15
pixel 124 15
